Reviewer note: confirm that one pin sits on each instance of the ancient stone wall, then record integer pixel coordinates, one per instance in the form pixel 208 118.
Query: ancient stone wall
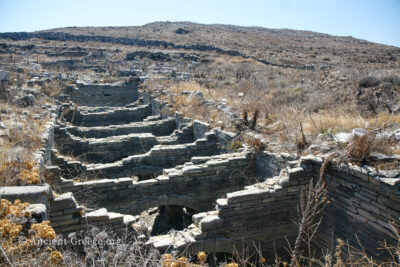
pixel 103 150
pixel 196 185
pixel 362 203
pixel 89 118
pixel 163 127
pixel 270 164
pixel 95 95
pixel 261 214
pixel 34 194
pixel 151 163
pixel 66 217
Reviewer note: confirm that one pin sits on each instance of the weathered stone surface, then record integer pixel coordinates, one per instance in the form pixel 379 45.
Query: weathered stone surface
pixel 193 175
pixel 30 194
pixel 38 211
pixel 211 183
pixel 4 76
pixel 62 202
pixel 25 101
pixel 103 94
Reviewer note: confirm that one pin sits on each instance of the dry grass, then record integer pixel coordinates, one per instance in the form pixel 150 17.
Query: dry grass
pixel 333 122
pixel 26 243
pixel 23 139
pixel 52 88
pixel 273 118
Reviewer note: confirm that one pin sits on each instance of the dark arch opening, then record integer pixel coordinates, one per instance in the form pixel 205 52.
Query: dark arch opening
pixel 165 218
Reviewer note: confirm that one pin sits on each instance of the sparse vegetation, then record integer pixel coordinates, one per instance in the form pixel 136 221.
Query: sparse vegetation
pixel 282 96
pixel 18 145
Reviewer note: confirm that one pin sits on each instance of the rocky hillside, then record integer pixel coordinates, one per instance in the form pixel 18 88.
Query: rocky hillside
pixel 240 71
pixel 284 46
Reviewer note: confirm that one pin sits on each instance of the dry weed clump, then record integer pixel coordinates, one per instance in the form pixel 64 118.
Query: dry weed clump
pixel 21 239
pixel 360 148
pixel 19 173
pixel 24 242
pixel 52 88
pixel 344 254
pixel 333 122
pixel 201 260
pixel 22 138
pixel 255 143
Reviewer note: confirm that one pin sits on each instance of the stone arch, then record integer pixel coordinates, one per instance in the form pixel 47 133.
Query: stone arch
pixel 165 200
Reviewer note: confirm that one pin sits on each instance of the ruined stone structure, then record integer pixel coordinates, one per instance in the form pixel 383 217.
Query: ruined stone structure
pixel 196 185
pixel 131 155
pixel 98 95
pixel 361 203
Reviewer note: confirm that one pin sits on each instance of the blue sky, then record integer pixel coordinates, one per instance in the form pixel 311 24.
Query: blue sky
pixel 373 20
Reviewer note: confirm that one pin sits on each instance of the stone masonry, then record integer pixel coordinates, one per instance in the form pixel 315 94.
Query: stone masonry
pixel 135 154
pixel 361 203
pixel 196 185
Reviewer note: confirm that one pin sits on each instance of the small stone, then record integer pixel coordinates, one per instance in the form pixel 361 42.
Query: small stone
pixel 343 137
pixel 358 132
pixel 25 101
pixel 4 76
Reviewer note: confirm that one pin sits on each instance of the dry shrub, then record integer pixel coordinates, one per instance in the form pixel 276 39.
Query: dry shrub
pixel 238 60
pixel 360 147
pixel 17 166
pixel 345 254
pixel 19 173
pixel 369 81
pixel 256 144
pixel 102 247
pixel 254 120
pixel 236 145
pixel 301 141
pixel 312 202
pixel 190 86
pixel 245 118
pixel 23 241
pixel 384 120
pixel 52 88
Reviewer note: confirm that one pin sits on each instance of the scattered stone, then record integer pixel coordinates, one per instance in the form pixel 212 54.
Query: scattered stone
pixel 196 95
pixel 25 101
pixel 343 137
pixel 38 212
pixel 182 31
pixel 4 76
pixel 152 211
pixel 358 132
pixel 396 134
pixel 36 67
pixel 31 91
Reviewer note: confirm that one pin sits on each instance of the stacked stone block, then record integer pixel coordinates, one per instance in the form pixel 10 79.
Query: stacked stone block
pixel 66 217
pixel 196 185
pixel 103 94
pixel 163 127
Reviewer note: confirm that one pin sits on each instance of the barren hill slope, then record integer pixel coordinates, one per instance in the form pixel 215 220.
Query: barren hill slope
pixel 286 77
pixel 281 46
